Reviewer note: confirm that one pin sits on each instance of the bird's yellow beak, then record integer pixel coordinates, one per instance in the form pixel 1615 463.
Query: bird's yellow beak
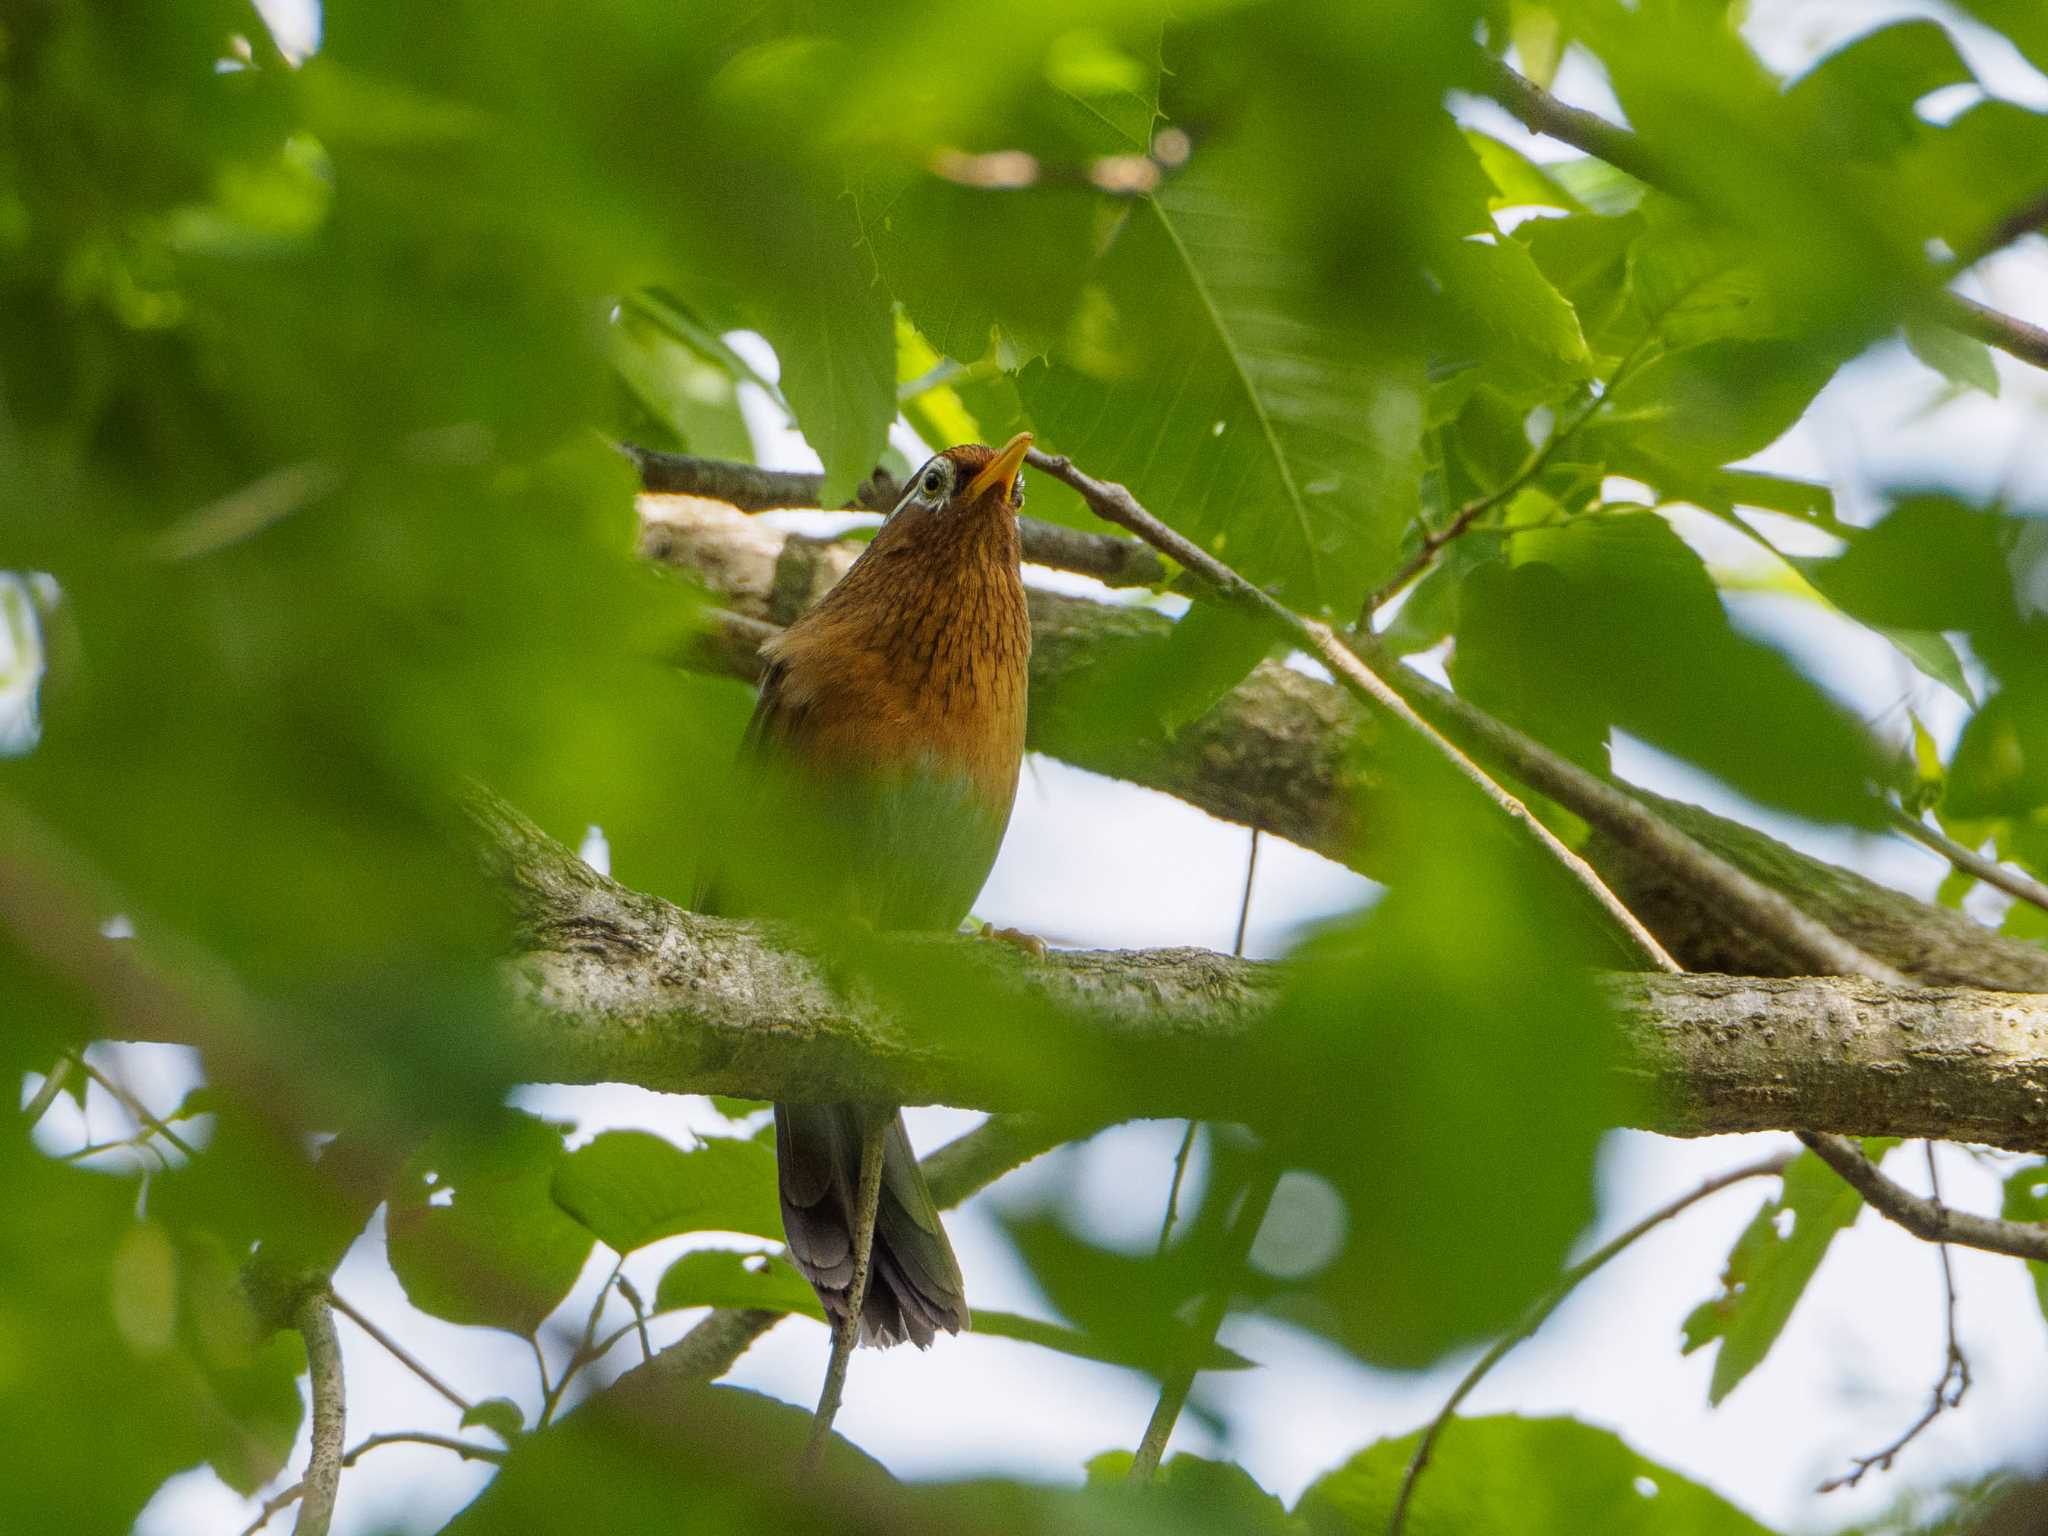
pixel 1002 469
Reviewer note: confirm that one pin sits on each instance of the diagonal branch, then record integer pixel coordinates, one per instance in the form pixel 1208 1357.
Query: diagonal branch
pixel 1299 758
pixel 1114 503
pixel 1922 1216
pixel 2015 883
pixel 1540 112
pixel 1548 1303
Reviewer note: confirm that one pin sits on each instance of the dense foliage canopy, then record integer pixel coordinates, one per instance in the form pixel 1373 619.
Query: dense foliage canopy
pixel 313 375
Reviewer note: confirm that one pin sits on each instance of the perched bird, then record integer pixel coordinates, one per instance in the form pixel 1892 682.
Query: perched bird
pixel 884 755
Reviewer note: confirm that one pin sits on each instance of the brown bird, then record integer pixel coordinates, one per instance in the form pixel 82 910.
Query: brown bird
pixel 885 751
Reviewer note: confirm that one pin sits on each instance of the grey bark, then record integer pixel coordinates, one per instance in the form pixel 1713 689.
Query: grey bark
pixel 619 986
pixel 1295 757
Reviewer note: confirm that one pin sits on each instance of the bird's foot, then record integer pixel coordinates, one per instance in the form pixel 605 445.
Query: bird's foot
pixel 1030 943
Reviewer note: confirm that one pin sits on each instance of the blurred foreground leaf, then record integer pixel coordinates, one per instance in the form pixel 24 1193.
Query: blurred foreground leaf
pixel 1509 1476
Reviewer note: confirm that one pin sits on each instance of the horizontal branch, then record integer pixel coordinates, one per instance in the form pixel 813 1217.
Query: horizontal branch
pixel 1109 559
pixel 618 986
pixel 1293 756
pixel 1540 112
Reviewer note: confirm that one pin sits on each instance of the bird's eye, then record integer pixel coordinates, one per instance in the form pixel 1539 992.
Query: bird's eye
pixel 934 481
pixel 1017 493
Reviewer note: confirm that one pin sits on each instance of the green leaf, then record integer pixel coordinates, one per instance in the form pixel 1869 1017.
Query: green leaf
pixel 2026 1199
pixel 1932 562
pixel 1585 257
pixel 1705 405
pixel 1519 182
pixel 1209 374
pixel 633 1188
pixel 2000 766
pixel 1506 314
pixel 691 397
pixel 1963 360
pixel 130 1351
pixel 1493 1121
pixel 1516 657
pixel 1962 183
pixel 720 1277
pixel 1625 629
pixel 964 261
pixel 829 322
pixel 1193 1493
pixel 1694 283
pixel 1858 101
pixel 1534 1477
pixel 475 1234
pixel 1936 657
pixel 1768 1270
pixel 500 1415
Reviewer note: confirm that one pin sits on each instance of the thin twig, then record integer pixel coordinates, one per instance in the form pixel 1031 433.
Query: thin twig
pixel 1114 503
pixel 1955 1368
pixel 468 1450
pixel 136 1108
pixel 1173 1392
pixel 585 1351
pixel 847 1334
pixel 1926 1218
pixel 1187 1139
pixel 398 1351
pixel 1113 561
pixel 315 1318
pixel 540 1363
pixel 1433 540
pixel 1540 112
pixel 1539 1313
pixel 1614 811
pixel 628 1290
pixel 2015 883
pixel 1244 902
pixel 46 1095
pixel 1180 1173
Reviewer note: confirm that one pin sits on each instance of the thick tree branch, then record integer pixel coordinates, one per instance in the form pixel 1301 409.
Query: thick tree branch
pixel 1298 758
pixel 1540 112
pixel 619 986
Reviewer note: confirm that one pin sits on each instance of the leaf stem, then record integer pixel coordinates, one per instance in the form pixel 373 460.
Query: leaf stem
pixel 2016 884
pixel 1535 1317
pixel 1434 540
pixel 1949 1388
pixel 398 1351
pixel 1173 1392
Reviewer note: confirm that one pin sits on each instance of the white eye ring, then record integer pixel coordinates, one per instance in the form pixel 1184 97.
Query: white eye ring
pixel 933 485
